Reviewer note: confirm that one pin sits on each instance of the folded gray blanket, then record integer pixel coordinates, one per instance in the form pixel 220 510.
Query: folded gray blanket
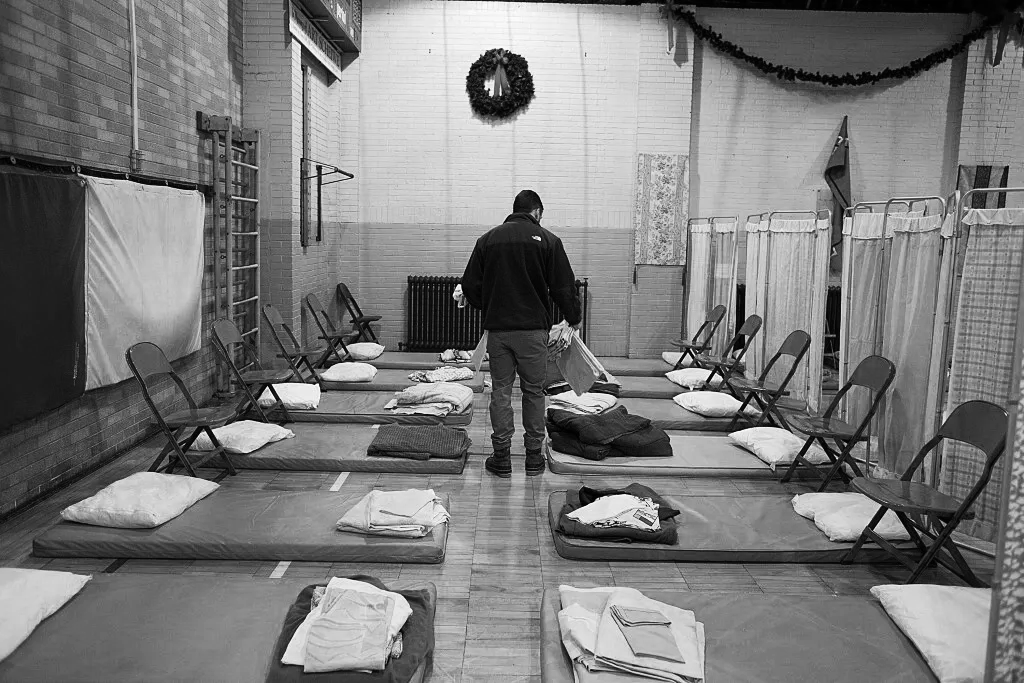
pixel 420 442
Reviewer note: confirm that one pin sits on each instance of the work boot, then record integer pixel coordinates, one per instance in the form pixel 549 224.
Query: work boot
pixel 534 463
pixel 500 464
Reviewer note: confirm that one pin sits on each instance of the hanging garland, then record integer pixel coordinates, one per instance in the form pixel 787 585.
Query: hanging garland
pixel 788 73
pixel 513 84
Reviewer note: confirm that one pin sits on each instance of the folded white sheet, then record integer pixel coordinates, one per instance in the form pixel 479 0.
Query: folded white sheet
pixel 620 510
pixel 295 653
pixel 586 404
pixel 374 514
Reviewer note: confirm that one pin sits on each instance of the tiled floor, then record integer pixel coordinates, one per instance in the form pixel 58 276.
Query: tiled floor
pixel 500 555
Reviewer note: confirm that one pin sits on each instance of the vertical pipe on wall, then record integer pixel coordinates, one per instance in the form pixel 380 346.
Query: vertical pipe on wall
pixel 134 155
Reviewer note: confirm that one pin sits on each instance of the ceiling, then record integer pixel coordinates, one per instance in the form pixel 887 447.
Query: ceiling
pixel 986 7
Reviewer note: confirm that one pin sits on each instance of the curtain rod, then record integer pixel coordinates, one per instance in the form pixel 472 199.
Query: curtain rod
pixel 70 167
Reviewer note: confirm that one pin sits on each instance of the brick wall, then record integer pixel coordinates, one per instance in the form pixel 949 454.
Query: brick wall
pixel 65 96
pixel 993 113
pixel 761 144
pixel 606 87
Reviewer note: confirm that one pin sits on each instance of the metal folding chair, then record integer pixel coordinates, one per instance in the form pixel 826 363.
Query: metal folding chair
pixel 359 320
pixel 874 373
pixel 768 396
pixel 149 364
pixel 328 332
pixel 291 351
pixel 936 515
pixel 731 362
pixel 701 341
pixel 253 382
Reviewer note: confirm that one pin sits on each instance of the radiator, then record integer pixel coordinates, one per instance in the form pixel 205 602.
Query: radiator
pixel 435 323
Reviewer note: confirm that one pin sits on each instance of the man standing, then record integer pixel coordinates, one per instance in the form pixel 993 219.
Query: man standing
pixel 513 269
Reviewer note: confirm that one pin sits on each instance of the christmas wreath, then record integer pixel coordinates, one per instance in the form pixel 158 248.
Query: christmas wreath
pixel 513 84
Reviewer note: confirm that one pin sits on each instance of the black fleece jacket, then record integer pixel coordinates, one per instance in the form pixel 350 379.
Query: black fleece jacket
pixel 512 270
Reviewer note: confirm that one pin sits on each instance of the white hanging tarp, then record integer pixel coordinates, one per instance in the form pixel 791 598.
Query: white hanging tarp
pixel 143 273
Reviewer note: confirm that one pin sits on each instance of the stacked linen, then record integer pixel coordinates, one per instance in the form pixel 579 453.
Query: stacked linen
pixel 404 514
pixel 586 404
pixel 619 634
pixel 613 433
pixel 353 631
pixel 420 442
pixel 442 374
pixel 441 398
pixel 633 513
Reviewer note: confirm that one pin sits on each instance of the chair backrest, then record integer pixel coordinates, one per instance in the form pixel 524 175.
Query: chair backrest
pixel 710 326
pixel 874 373
pixel 225 336
pixel 148 363
pixel 796 345
pixel 350 302
pixel 319 313
pixel 279 327
pixel 978 423
pixel 743 338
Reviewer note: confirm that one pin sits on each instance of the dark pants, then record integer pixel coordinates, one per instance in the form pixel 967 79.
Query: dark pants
pixel 524 352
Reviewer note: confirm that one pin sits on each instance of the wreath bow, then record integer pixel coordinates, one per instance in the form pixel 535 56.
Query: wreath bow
pixel 501 86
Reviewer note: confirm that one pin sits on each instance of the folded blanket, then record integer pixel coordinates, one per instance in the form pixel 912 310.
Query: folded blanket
pixel 601 386
pixel 457 396
pixel 666 535
pixel 600 429
pixel 587 404
pixel 613 433
pixel 443 374
pixel 420 442
pixel 404 514
pixel 417 641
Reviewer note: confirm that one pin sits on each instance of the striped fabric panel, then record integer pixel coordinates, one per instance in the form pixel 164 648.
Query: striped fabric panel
pixel 973 177
pixel 983 355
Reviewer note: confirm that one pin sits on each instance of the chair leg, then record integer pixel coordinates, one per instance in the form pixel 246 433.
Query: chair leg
pixel 180 449
pixel 939 543
pixel 848 557
pixel 740 414
pixel 251 400
pixel 217 447
pixel 798 460
pixel 837 464
pixel 280 404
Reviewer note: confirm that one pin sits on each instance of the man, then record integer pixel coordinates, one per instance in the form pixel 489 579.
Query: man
pixel 513 269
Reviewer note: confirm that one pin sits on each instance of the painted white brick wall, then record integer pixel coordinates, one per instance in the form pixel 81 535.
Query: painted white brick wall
pixel 993 114
pixel 760 143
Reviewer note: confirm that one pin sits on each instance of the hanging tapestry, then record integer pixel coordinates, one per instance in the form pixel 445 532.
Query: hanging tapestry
pixel 42 244
pixel 974 177
pixel 143 273
pixel 660 209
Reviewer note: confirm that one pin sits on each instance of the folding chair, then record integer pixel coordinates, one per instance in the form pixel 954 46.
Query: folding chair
pixel 701 341
pixel 226 338
pixel 873 373
pixel 296 356
pixel 328 332
pixel 148 363
pixel 730 363
pixel 978 423
pixel 768 396
pixel 359 321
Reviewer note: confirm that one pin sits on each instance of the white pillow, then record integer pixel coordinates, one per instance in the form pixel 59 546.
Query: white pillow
pixel 140 501
pixel 364 350
pixel 27 596
pixel 672 357
pixel 294 395
pixel 349 372
pixel 710 403
pixel 694 378
pixel 948 624
pixel 776 446
pixel 243 436
pixel 843 516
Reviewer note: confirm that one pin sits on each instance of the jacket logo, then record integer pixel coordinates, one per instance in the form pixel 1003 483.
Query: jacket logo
pixel 536 237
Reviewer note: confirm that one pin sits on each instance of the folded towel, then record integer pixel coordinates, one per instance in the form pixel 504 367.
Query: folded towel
pixel 404 514
pixel 458 396
pixel 587 404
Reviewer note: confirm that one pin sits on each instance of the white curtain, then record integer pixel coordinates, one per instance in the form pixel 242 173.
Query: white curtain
pixel 698 263
pixel 795 287
pixel 915 299
pixel 726 259
pixel 756 274
pixel 143 273
pixel 862 268
pixel 983 337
